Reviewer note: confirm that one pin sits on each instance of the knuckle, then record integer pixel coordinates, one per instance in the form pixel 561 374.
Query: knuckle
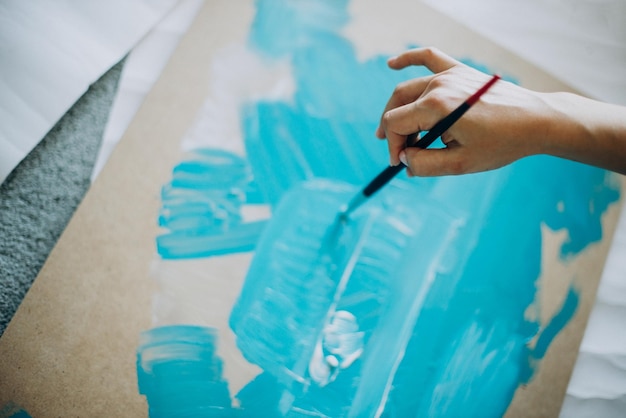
pixel 437 82
pixel 430 52
pixel 436 103
pixel 387 118
pixel 400 92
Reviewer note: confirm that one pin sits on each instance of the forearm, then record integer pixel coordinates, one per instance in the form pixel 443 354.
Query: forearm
pixel 587 131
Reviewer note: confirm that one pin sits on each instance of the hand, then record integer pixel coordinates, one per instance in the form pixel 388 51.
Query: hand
pixel 507 123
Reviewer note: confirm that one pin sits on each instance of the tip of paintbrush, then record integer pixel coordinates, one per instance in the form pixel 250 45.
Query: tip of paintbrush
pixel 343 217
pixel 348 208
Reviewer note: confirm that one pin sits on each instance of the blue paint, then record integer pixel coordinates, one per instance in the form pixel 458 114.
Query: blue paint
pixel 11 410
pixel 180 374
pixel 326 130
pixel 581 211
pixel 418 306
pixel 206 243
pixel 468 319
pixel 557 323
pixel 277 29
pixel 201 207
pixel 549 333
pixel 286 304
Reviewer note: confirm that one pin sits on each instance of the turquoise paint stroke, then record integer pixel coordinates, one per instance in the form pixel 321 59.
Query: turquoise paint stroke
pixel 456 342
pixel 201 207
pixel 436 275
pixel 11 410
pixel 180 373
pixel 326 129
pixel 484 288
pixel 363 275
pixel 557 323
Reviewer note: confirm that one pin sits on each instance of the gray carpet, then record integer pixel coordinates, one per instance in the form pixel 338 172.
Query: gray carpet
pixel 40 196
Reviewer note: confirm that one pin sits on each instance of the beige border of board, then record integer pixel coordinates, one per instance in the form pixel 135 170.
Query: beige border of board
pixel 70 349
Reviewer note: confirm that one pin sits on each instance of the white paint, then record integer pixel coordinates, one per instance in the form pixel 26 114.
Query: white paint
pixel 238 75
pixel 343 340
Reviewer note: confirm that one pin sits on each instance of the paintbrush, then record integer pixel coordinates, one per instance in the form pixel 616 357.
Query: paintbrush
pixel 440 127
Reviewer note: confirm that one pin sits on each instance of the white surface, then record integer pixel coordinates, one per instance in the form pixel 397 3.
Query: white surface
pixel 50 52
pixel 582 42
pixel 598 383
pixel 141 70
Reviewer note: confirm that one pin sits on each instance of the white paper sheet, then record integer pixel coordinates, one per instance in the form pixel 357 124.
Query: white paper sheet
pixel 50 52
pixel 598 383
pixel 582 42
pixel 141 70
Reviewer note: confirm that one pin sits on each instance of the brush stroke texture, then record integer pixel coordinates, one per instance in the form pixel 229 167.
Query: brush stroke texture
pixel 180 374
pixel 420 305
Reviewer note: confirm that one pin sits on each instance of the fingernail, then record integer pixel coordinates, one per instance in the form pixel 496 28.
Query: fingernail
pixel 402 157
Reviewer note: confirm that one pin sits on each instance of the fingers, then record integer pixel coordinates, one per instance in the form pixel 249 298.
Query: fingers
pixel 403 94
pixel 432 58
pixel 408 109
pixel 402 114
pixel 401 121
pixel 409 91
pixel 435 162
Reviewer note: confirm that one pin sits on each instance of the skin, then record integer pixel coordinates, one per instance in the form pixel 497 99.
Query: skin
pixel 509 122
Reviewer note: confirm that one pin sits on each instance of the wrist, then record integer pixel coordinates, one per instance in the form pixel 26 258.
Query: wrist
pixel 565 134
pixel 587 131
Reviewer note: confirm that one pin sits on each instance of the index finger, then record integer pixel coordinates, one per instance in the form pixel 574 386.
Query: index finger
pixel 404 93
pixel 431 58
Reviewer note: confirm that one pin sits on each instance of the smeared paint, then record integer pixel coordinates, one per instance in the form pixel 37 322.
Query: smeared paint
pixel 180 374
pixel 339 345
pixel 286 304
pixel 556 324
pixel 202 207
pixel 419 306
pixel 406 245
pixel 12 410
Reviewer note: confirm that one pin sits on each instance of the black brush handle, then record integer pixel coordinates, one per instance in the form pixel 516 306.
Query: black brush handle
pixel 390 172
pixel 383 178
pixel 440 127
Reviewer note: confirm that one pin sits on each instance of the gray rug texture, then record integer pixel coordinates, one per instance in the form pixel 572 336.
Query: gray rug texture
pixel 39 197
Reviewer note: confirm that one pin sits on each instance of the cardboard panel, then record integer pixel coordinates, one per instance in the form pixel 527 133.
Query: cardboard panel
pixel 70 349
